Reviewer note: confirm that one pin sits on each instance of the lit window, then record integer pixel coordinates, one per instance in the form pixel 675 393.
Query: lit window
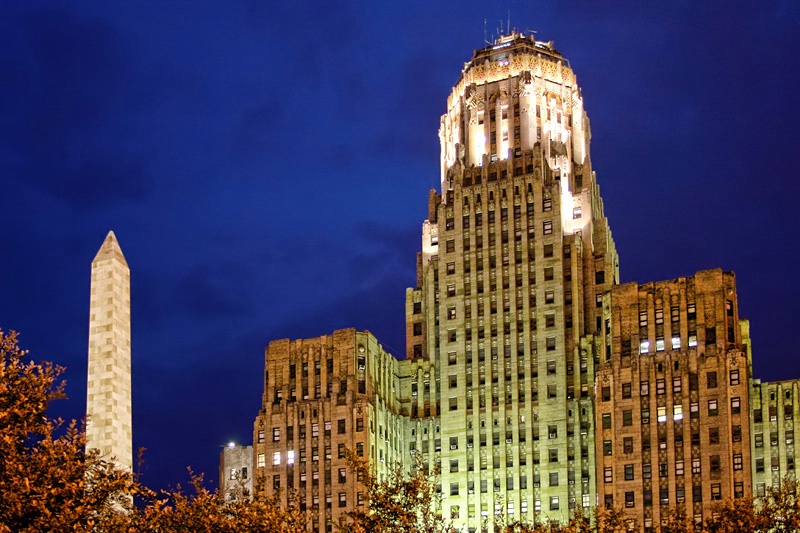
pixel 644 346
pixel 662 414
pixel 677 412
pixel 276 458
pixel 576 212
pixel 547 227
pixel 713 408
pixel 736 406
pixel 676 343
pixel 608 475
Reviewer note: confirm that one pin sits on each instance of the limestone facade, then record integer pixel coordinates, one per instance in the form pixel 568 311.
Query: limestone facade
pixel 322 397
pixel 672 405
pixel 236 470
pixel 108 401
pixel 534 382
pixel 774 409
pixel 515 253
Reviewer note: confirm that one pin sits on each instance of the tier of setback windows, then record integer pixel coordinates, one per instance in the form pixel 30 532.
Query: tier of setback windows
pixel 677 383
pixel 674 342
pixel 678 492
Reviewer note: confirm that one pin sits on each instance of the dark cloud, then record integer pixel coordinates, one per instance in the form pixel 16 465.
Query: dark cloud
pixel 379 308
pixel 81 64
pixel 103 183
pixel 68 129
pixel 261 130
pixel 217 291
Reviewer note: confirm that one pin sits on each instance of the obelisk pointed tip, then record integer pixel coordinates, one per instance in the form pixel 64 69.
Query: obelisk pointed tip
pixel 110 249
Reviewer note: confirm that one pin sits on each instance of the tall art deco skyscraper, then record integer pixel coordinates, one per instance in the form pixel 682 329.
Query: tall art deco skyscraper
pixel 516 255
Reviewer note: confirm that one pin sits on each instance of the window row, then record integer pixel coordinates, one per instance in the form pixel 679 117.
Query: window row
pixel 341 429
pixel 290 455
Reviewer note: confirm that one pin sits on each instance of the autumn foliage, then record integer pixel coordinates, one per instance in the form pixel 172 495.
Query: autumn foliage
pixel 48 483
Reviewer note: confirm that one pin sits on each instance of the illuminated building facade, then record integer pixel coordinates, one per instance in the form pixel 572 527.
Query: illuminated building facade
pixel 236 470
pixel 323 397
pixel 537 384
pixel 774 410
pixel 516 254
pixel 672 404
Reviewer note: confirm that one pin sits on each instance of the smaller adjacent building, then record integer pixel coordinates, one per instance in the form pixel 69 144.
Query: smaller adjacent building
pixel 325 397
pixel 236 470
pixel 774 410
pixel 672 398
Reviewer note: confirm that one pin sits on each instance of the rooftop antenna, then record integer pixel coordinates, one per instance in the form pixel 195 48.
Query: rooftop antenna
pixel 508 27
pixel 485 37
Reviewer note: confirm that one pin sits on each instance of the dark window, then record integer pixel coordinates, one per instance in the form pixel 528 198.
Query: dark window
pixel 626 390
pixel 711 335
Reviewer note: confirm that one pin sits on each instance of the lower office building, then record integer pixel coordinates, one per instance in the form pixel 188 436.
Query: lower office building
pixel 323 397
pixel 672 408
pixel 236 471
pixel 774 409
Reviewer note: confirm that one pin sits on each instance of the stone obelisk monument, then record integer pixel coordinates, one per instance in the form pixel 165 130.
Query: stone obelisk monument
pixel 108 398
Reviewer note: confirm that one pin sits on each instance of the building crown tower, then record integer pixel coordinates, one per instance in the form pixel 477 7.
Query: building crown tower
pixel 108 399
pixel 501 327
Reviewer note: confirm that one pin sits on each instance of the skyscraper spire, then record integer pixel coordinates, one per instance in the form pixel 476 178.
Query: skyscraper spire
pixel 108 398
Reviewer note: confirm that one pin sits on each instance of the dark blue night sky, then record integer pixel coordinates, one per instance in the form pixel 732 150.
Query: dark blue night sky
pixel 266 166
